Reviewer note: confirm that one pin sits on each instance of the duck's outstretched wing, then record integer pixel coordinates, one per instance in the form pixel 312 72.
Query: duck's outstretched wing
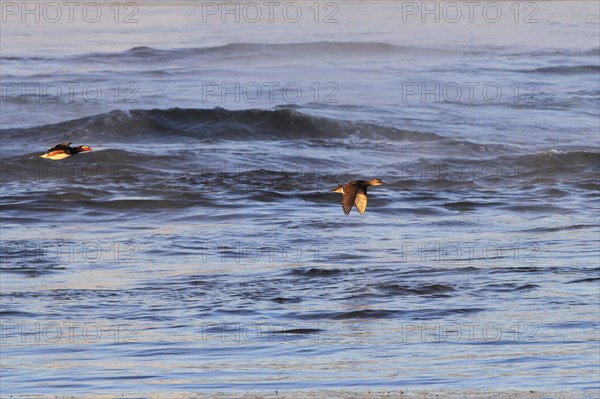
pixel 348 198
pixel 360 200
pixel 59 147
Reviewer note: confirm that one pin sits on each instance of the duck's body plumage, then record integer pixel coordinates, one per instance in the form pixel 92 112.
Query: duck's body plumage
pixel 64 150
pixel 355 193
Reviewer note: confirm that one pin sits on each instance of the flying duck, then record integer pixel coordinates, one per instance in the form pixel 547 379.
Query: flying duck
pixel 355 192
pixel 62 151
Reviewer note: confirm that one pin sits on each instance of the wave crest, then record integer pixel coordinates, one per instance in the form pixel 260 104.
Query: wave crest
pixel 212 124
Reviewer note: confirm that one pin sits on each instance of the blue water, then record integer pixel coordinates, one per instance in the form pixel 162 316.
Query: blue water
pixel 198 247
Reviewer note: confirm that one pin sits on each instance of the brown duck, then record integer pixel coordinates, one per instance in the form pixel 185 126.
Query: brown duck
pixel 64 150
pixel 355 193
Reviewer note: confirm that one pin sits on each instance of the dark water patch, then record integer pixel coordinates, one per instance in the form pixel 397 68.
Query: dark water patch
pixel 422 314
pixel 584 280
pixel 562 163
pixel 139 204
pixel 463 206
pixel 426 289
pixel 198 282
pixel 437 313
pixel 541 208
pixel 565 70
pixel 75 295
pixel 508 287
pixel 560 228
pixel 453 223
pixel 420 211
pixel 407 271
pixel 561 52
pixel 32 271
pixel 534 270
pixel 337 256
pixel 13 58
pixel 286 300
pixel 587 93
pixel 554 192
pixel 268 196
pixel 530 359
pixel 16 313
pixel 298 331
pixel 364 314
pixel 316 197
pixel 575 325
pixel 521 269
pixel 591 186
pixel 420 197
pixel 70 196
pixel 317 272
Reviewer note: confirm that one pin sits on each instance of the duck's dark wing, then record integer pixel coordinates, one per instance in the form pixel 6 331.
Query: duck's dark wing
pixel 361 200
pixel 60 147
pixel 348 198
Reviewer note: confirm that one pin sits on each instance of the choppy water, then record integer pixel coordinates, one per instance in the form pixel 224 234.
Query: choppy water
pixel 198 247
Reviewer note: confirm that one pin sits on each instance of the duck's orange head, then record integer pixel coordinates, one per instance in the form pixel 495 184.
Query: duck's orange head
pixel 375 182
pixel 85 148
